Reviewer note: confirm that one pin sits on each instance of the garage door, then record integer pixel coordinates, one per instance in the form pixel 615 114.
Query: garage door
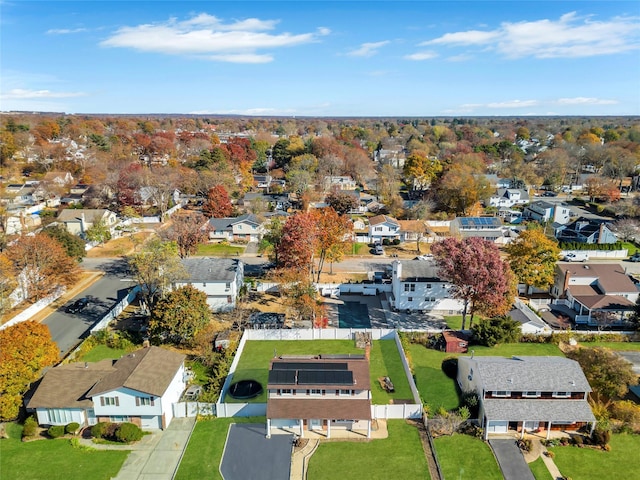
pixel 285 423
pixel 496 426
pixel 150 421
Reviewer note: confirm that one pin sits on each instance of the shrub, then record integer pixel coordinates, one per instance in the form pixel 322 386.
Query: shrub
pixel 470 400
pixel 56 431
pixel 396 241
pixel 128 432
pixel 450 367
pixel 601 436
pixel 550 454
pixel 72 428
pixel 30 427
pixel 99 429
pixel 386 242
pixel 577 440
pixel 626 411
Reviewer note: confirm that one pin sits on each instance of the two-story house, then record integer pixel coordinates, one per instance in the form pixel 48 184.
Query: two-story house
pixel 587 230
pixel 319 394
pixel 335 182
pixel 508 197
pixel 597 294
pixel 488 228
pixel 78 221
pixel 383 227
pixel 524 394
pixel 416 286
pixel 245 228
pixel 542 211
pixel 220 278
pixel 139 387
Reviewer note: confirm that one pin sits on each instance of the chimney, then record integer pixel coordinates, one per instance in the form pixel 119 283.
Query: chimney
pixel 601 233
pixel 567 276
pixel 397 269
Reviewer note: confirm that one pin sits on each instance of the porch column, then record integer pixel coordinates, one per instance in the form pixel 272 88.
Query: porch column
pixel 301 428
pixel 524 425
pixel 548 429
pixel 268 428
pixel 593 427
pixel 368 428
pixel 328 428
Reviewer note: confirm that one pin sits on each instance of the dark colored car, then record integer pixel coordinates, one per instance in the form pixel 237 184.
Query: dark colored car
pixel 550 194
pixel 77 306
pixel 635 257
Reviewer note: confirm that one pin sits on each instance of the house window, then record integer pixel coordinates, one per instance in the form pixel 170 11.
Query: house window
pixel 344 392
pixel 104 401
pixel 531 394
pixel 286 391
pixel 59 416
pixel 227 285
pixel 502 393
pixel 409 287
pixel 428 285
pixel 378 229
pixel 145 401
pixel 410 299
pixel 204 284
pixel 119 418
pixel 561 394
pixel 315 391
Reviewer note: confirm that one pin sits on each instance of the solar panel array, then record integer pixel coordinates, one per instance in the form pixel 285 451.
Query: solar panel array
pixel 316 373
pixel 479 221
pixel 309 366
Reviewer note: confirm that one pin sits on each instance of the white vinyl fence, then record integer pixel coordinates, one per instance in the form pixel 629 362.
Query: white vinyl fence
pixel 116 310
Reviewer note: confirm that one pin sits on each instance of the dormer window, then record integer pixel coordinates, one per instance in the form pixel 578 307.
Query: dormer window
pixel 502 393
pixel 531 394
pixel 561 394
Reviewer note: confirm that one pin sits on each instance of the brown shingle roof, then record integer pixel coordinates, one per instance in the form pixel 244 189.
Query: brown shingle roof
pixel 611 277
pixel 148 370
pixel 609 302
pixel 378 219
pixel 66 386
pixel 328 408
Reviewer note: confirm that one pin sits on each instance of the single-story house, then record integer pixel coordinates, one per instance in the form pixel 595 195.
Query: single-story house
pixel 245 228
pixel 78 220
pixel 139 387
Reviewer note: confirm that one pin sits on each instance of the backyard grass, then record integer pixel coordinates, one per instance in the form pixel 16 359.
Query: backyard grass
pixel 102 352
pixel 540 470
pixel 218 250
pixel 454 322
pixel 618 346
pixel 204 453
pixel 399 456
pixel 436 389
pixel 55 459
pixel 585 463
pixel 466 457
pixel 385 362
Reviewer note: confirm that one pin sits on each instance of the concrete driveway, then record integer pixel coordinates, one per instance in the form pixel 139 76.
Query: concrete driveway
pixel 511 460
pixel 249 454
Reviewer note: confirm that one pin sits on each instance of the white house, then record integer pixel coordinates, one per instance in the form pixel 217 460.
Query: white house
pixel 508 197
pixel 383 227
pixel 543 211
pixel 488 228
pixel 416 285
pixel 245 228
pixel 78 221
pixel 139 387
pixel 219 278
pixel 524 394
pixel 339 182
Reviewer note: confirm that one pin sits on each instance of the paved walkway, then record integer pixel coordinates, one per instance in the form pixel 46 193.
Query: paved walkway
pixel 156 456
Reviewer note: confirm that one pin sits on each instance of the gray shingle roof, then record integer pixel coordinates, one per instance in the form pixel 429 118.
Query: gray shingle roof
pixel 422 269
pixel 538 410
pixel 518 374
pixel 211 269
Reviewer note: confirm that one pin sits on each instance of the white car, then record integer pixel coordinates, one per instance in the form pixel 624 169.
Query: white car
pixel 576 257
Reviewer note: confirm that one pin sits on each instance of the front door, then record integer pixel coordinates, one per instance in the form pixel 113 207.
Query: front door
pixel 315 424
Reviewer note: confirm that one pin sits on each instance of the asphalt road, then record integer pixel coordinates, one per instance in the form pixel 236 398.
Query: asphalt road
pixel 68 329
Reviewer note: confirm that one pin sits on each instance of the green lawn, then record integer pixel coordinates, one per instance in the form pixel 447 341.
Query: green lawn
pixel 55 460
pixel 585 463
pixel 540 470
pixel 399 457
pixel 436 389
pixel 385 361
pixel 619 346
pixel 358 249
pixel 102 352
pixel 204 453
pixel 454 322
pixel 465 457
pixel 218 250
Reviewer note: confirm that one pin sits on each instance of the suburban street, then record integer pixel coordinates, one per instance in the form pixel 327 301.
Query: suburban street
pixel 67 329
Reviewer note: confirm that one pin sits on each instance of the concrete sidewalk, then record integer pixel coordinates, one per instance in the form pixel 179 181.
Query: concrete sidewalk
pixel 155 457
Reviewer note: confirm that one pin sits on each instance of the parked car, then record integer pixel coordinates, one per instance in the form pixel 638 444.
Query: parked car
pixel 78 305
pixel 635 257
pixel 550 194
pixel 378 250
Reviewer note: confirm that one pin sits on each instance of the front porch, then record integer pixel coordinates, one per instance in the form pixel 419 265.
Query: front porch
pixel 376 429
pixel 534 429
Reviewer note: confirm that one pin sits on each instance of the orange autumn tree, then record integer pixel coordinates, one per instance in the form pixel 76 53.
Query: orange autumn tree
pixel 25 349
pixel 332 230
pixel 44 265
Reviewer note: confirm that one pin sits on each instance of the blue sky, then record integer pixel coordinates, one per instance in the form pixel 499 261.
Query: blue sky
pixel 305 58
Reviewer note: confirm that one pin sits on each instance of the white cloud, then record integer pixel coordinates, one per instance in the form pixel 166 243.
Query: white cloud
pixel 208 37
pixel 513 104
pixel 585 101
pixel 463 57
pixel 368 49
pixel 418 56
pixel 65 31
pixel 20 93
pixel 569 36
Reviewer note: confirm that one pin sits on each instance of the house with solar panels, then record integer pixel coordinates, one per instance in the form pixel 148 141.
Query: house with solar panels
pixel 488 228
pixel 319 394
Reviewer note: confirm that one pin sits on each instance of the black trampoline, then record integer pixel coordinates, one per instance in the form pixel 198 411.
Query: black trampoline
pixel 245 389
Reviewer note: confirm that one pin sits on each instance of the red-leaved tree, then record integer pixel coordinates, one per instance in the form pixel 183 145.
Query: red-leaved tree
pixel 481 279
pixel 218 204
pixel 298 242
